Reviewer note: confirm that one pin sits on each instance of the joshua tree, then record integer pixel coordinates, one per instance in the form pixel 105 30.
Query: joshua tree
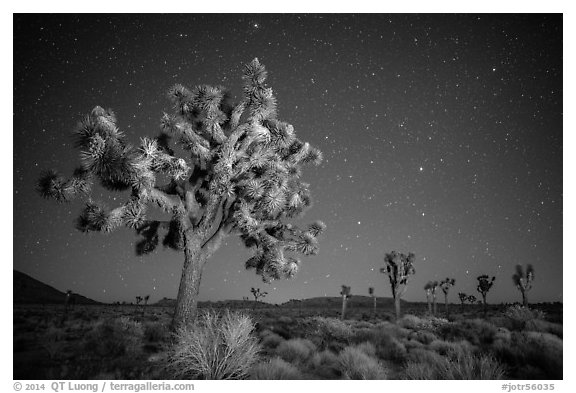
pixel 523 281
pixel 138 300
pixel 371 293
pixel 484 285
pixel 472 299
pixel 257 293
pixel 430 289
pixel 398 269
pixel 463 298
pixel 146 298
pixel 446 284
pixel 241 174
pixel 345 293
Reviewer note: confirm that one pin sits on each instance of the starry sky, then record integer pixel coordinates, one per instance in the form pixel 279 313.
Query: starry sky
pixel 442 136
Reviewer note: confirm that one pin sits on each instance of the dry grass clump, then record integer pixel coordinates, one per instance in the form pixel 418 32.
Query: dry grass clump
pixel 296 350
pixel 217 346
pixel 155 332
pixel 275 368
pixel 356 364
pixel 519 316
pixel 460 365
pixel 332 330
pixel 115 337
pixel 270 339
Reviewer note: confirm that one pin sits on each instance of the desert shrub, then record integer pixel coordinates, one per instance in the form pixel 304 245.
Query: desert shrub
pixel 387 346
pixel 296 350
pixel 450 349
pixel 115 337
pixel 462 365
pixel 476 331
pixel 538 325
pixel 410 321
pixel 155 332
pixel 368 348
pixel 332 329
pixel 217 346
pixel 52 340
pixel 284 319
pixel 275 368
pixel 520 315
pixel 356 364
pixel 423 336
pixel 531 355
pixel 325 364
pixel 270 339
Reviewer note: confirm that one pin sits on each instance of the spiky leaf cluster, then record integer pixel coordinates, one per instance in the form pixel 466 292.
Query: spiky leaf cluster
pixel 484 284
pixel 241 172
pixel 523 279
pixel 430 287
pixel 446 284
pixel 398 268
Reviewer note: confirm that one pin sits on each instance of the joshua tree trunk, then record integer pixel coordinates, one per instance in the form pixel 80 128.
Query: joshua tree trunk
pixel 484 302
pixel 446 302
pixel 343 307
pixel 397 306
pixel 434 301
pixel 524 299
pixel 374 312
pixel 186 303
pixel 429 305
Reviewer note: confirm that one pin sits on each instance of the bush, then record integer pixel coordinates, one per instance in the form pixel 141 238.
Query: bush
pixel 215 347
pixel 538 325
pixel 270 339
pixel 520 315
pixel 276 368
pixel 155 332
pixel 356 364
pixel 451 349
pixel 461 365
pixel 296 350
pixel 115 337
pixel 476 331
pixel 325 364
pixel 332 329
pixel 531 355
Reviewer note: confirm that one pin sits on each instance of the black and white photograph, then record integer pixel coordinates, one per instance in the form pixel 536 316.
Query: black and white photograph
pixel 287 196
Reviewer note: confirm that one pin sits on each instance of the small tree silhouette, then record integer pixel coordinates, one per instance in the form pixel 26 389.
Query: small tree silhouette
pixel 371 293
pixel 446 284
pixel 463 298
pixel 257 293
pixel 484 285
pixel 523 281
pixel 345 293
pixel 138 300
pixel 472 299
pixel 398 268
pixel 430 289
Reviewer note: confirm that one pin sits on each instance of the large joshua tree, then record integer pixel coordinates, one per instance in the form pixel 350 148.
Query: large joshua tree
pixel 240 174
pixel 398 268
pixel 445 285
pixel 523 281
pixel 484 285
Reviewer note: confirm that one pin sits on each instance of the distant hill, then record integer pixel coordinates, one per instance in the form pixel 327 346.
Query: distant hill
pixel 334 301
pixel 28 290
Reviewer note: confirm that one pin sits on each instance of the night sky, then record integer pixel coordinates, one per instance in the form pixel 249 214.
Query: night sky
pixel 442 136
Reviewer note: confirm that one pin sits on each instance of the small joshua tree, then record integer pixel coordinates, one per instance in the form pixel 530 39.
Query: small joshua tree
pixel 484 285
pixel 446 284
pixel 463 298
pixel 257 293
pixel 523 281
pixel 146 298
pixel 345 293
pixel 371 293
pixel 398 268
pixel 240 174
pixel 472 299
pixel 138 300
pixel 430 289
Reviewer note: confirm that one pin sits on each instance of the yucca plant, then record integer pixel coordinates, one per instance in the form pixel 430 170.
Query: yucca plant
pixel 484 285
pixel 371 293
pixel 257 293
pixel 430 289
pixel 240 175
pixel 346 294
